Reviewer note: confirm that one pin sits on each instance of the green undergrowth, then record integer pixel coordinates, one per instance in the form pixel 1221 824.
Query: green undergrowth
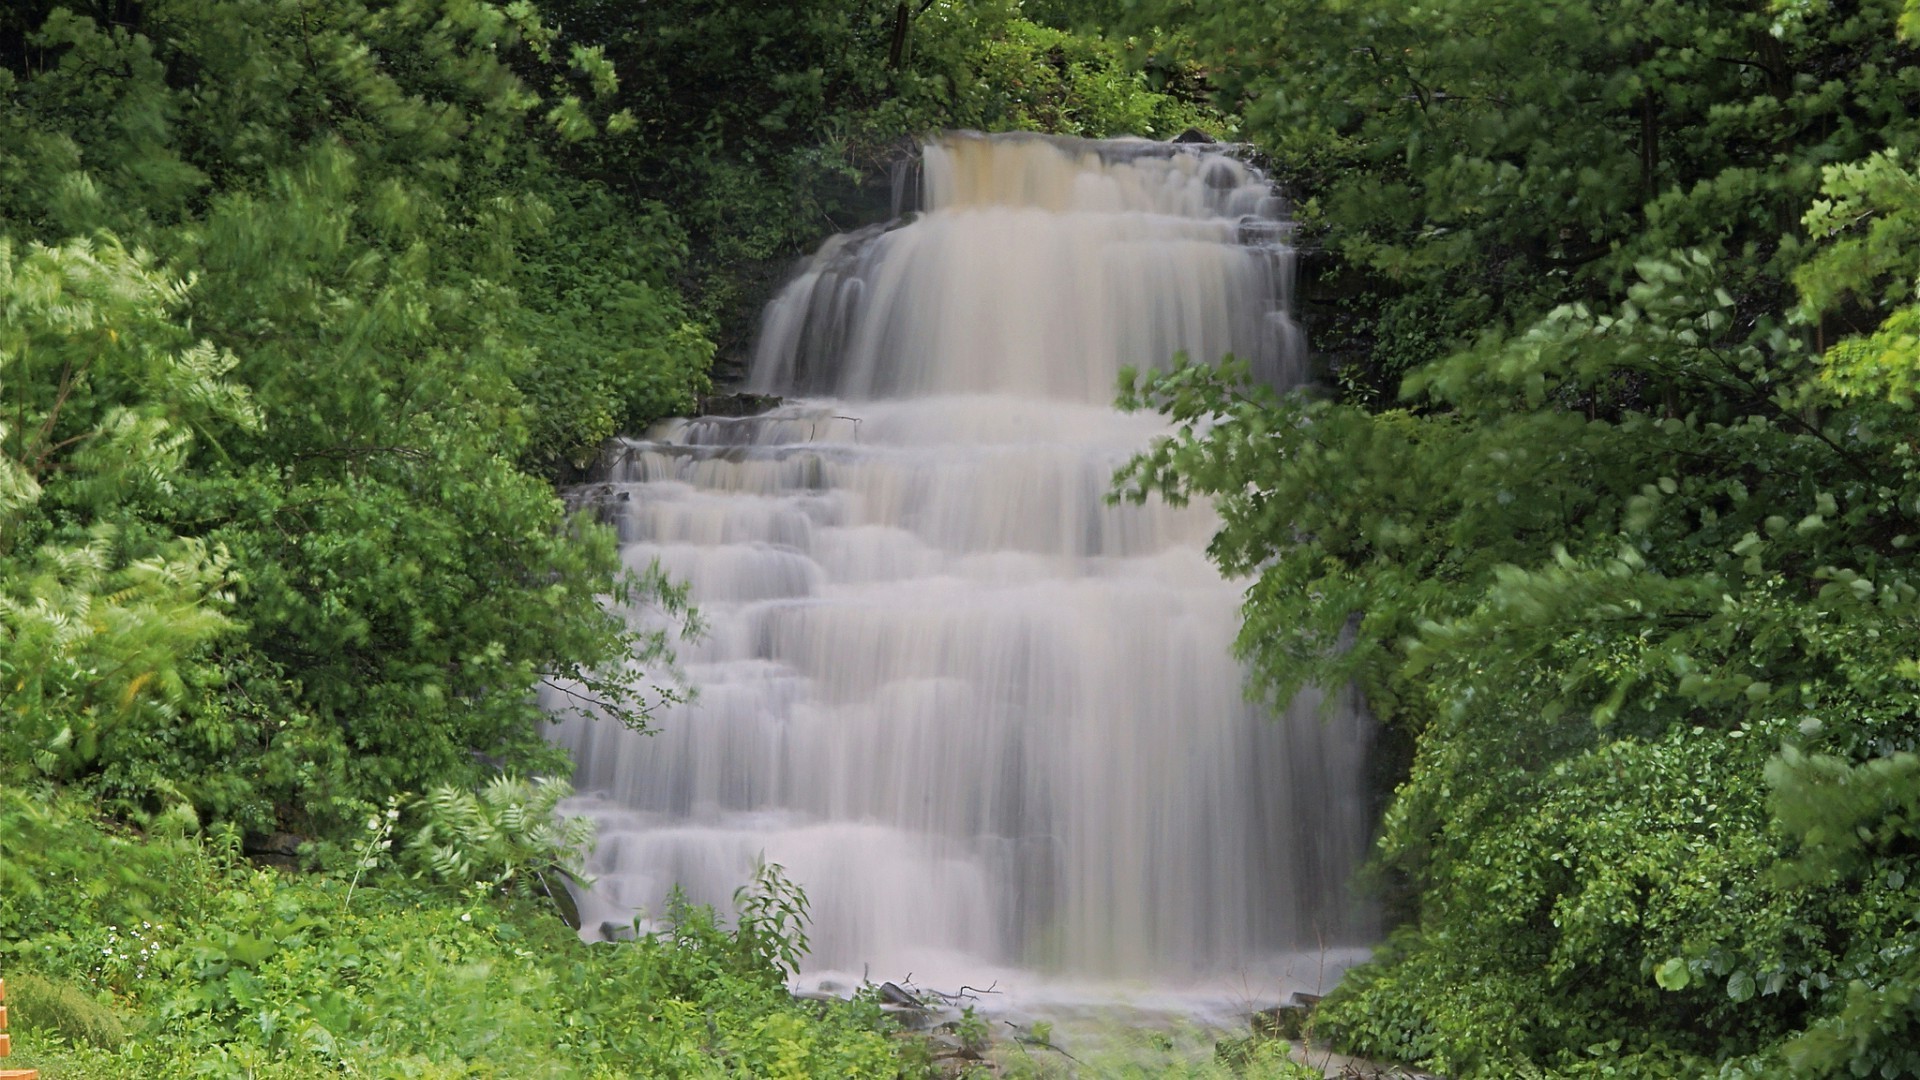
pixel 187 960
pixel 1183 1052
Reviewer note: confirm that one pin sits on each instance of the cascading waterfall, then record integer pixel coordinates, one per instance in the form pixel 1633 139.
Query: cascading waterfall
pixel 987 720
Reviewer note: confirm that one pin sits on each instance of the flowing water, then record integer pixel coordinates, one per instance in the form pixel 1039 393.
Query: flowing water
pixel 988 721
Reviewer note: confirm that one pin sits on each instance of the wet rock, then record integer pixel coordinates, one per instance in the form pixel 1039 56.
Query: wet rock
pixel 907 1010
pixel 944 1045
pixel 909 1017
pixel 892 994
pixel 1281 1022
pixel 280 849
pixel 741 404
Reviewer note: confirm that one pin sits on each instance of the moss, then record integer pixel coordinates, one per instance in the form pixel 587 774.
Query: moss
pixel 36 1004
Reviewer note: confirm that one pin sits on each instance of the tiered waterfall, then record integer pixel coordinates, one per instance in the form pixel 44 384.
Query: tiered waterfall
pixel 984 718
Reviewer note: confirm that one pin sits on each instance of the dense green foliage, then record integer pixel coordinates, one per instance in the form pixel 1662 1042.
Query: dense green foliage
pixel 758 122
pixel 1612 515
pixel 308 429
pixel 183 959
pixel 304 309
pixel 306 305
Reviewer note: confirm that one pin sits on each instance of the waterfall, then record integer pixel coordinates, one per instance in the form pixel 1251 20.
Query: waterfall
pixel 985 719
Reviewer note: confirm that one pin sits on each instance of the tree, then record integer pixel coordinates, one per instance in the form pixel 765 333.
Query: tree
pixel 356 190
pixel 105 612
pixel 1600 516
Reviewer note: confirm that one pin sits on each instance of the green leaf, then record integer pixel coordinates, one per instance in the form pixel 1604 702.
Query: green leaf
pixel 1673 975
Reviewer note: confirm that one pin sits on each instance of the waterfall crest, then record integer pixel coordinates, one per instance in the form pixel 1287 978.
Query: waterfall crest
pixel 1040 268
pixel 983 717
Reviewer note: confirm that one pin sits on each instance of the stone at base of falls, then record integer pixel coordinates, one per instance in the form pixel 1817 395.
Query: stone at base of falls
pixel 740 404
pixel 555 884
pixel 1194 135
pixel 1281 1022
pixel 952 1054
pixel 909 1017
pixel 905 1007
pixel 614 931
pixel 1289 1021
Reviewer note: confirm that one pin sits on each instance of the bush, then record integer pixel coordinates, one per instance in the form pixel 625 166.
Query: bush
pixel 236 971
pixel 54 1007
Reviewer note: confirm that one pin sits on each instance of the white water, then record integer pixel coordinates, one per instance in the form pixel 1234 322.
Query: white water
pixel 990 723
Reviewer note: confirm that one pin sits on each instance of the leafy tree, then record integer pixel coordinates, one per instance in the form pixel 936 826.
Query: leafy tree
pixel 364 196
pixel 1598 524
pixel 1476 163
pixel 756 122
pixel 105 611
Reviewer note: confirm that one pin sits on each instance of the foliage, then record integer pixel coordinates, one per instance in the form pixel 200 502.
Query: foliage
pixel 617 347
pixel 1625 546
pixel 772 920
pixel 427 269
pixel 1482 161
pixel 244 970
pixel 68 887
pixel 1036 78
pixel 323 519
pixel 60 1009
pixel 508 835
pixel 757 122
pixel 102 606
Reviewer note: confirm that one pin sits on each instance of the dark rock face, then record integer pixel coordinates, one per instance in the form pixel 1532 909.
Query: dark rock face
pixel 736 405
pixel 279 849
pixel 886 185
pixel 1330 307
pixel 892 994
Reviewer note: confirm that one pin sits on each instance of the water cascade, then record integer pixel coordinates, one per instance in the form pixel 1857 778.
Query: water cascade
pixel 988 721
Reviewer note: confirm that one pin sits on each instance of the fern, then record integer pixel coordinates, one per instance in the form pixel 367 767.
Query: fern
pixel 509 835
